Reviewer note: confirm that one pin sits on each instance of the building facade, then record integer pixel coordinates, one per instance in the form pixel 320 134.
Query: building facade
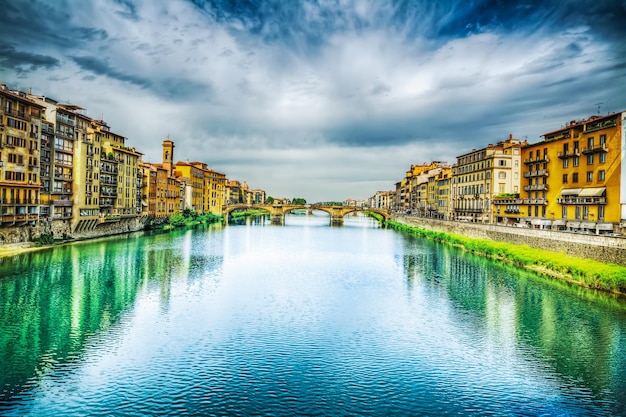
pixel 20 128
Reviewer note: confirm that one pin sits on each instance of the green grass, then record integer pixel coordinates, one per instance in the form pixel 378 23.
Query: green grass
pixel 248 213
pixel 586 272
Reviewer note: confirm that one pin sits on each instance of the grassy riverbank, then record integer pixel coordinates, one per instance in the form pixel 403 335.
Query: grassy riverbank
pixel 589 273
pixel 248 213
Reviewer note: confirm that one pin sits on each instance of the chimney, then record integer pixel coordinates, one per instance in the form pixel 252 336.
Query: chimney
pixel 510 136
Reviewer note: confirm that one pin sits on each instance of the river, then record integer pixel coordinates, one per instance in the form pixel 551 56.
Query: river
pixel 301 319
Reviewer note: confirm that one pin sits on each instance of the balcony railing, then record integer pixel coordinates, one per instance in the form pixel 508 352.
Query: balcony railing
pixel 569 154
pixel 536 173
pixel 538 160
pixel 581 200
pixel 598 149
pixel 536 187
pixel 19 201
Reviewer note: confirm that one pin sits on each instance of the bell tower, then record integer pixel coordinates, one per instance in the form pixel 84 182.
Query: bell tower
pixel 168 156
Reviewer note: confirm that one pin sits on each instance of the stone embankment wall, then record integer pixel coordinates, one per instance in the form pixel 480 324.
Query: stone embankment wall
pixel 61 229
pixel 599 248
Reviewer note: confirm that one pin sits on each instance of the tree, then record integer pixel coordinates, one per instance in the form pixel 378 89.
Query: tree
pixel 269 200
pixel 298 200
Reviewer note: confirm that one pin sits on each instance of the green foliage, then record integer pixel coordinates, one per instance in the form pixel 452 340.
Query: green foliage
pixel 177 219
pixel 298 200
pixel 269 200
pixel 586 272
pixel 190 213
pixel 45 239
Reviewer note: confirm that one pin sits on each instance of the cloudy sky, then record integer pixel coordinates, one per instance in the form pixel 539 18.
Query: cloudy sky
pixel 321 99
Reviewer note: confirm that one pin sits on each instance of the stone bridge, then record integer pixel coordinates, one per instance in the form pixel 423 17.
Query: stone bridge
pixel 277 211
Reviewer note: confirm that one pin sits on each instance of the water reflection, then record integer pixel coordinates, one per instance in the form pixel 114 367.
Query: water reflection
pixel 52 301
pixel 580 338
pixel 299 319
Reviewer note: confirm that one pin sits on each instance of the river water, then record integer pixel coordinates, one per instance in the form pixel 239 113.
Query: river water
pixel 298 320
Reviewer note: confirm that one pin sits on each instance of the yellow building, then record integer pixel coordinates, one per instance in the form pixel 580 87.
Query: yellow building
pixel 20 126
pixel 193 179
pixel 574 177
pixel 161 190
pixel 125 194
pixel 213 185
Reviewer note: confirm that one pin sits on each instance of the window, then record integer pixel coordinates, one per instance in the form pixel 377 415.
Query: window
pixel 575 177
pixel 576 161
pixel 601 175
pixel 602 158
pixel 564 212
pixel 565 163
pixel 577 216
pixel 585 212
pixel 589 176
pixel 502 162
pixel 590 159
pixel 502 175
pixel 601 213
pixel 564 178
pixel 590 143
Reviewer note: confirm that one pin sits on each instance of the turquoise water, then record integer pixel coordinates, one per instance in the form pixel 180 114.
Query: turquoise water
pixel 300 319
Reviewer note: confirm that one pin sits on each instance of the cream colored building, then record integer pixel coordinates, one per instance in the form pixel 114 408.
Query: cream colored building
pixel 481 175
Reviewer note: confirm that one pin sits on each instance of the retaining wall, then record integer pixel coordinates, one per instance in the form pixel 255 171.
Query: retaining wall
pixel 600 248
pixel 61 229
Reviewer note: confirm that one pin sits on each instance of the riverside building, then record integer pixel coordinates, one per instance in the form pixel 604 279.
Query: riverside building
pixel 482 177
pixel 575 178
pixel 20 127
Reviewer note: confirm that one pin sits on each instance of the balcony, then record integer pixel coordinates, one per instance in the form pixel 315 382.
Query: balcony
pixel 62 203
pixel 570 154
pixel 65 119
pixel 539 160
pixel 536 173
pixel 19 201
pixel 535 201
pixel 536 187
pixel 64 134
pixel 65 149
pixel 598 149
pixel 581 200
pixel 16 113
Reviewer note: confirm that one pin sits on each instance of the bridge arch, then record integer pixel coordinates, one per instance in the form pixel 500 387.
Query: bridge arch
pixel 277 211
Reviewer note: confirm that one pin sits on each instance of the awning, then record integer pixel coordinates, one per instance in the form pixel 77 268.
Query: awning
pixel 573 225
pixel 546 222
pixel 535 222
pixel 587 225
pixel 143 203
pixel 570 191
pixel 559 222
pixel 605 226
pixel 592 192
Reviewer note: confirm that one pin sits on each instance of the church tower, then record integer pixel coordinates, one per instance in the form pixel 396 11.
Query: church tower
pixel 168 156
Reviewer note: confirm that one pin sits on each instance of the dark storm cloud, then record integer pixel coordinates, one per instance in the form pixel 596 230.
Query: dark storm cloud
pixel 102 67
pixel 23 62
pixel 39 23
